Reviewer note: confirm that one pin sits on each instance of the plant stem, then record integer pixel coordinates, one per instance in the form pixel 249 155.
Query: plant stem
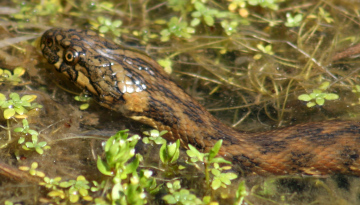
pixel 9 134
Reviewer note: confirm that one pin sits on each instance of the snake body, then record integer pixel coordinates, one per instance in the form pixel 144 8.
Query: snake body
pixel 132 83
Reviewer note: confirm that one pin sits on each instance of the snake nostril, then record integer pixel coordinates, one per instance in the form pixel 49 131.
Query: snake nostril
pixel 49 42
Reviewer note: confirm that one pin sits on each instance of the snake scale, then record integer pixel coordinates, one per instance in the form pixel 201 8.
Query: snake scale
pixel 132 83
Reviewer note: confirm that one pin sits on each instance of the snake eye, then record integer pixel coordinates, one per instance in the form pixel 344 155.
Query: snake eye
pixel 71 56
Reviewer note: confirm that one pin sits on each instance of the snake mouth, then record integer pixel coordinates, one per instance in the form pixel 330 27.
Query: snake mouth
pixel 51 57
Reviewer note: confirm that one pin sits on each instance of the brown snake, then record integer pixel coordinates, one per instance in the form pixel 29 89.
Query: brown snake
pixel 132 83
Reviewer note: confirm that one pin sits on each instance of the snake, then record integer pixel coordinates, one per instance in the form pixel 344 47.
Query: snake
pixel 128 81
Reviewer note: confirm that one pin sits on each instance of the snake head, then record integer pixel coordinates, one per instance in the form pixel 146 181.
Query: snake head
pixel 49 47
pixel 59 48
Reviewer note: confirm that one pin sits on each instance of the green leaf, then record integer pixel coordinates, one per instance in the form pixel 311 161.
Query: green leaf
pixel 310 104
pixel 20 110
pixel 117 23
pixel 14 96
pixel 159 140
pixel 195 22
pixel 42 144
pixel 84 106
pixel 2 97
pixel 304 97
pixel 103 29
pixel 175 155
pixel 219 160
pixel 224 179
pixel 21 140
pixel 215 150
pixel 34 138
pixel 19 71
pixel 18 129
pixel 32 132
pixel 320 101
pixel 241 191
pixel 163 154
pixel 215 172
pixel 132 166
pixel 170 199
pixel 177 185
pixel 331 96
pixel 74 198
pixel 324 85
pixel 29 145
pixel 215 184
pixel 39 150
pixel 116 191
pixel 146 140
pixel 166 64
pixel 209 20
pixel 25 124
pixel 231 175
pixel 103 167
pixel 8 113
pixel 83 192
pixel 28 98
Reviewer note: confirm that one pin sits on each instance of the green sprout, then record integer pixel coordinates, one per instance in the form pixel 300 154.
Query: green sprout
pixel 170 153
pixel 51 183
pixel 71 190
pixel 104 6
pixel 166 64
pixel 14 78
pixel 229 27
pixel 318 97
pixel 121 163
pixel 8 202
pixel 220 179
pixel 32 170
pixel 325 15
pixel 322 15
pixel 17 105
pixel 36 145
pixel 204 12
pixel 85 99
pixel 25 130
pixel 264 49
pixel 30 11
pixel 77 188
pixel 240 193
pixel 154 137
pixel 180 196
pixel 145 35
pixel 98 186
pixel 272 4
pixel 56 194
pixel 178 28
pixel 293 21
pixel 177 5
pixel 105 25
pixel 356 89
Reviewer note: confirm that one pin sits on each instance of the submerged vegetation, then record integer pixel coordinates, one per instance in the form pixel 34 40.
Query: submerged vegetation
pixel 272 62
